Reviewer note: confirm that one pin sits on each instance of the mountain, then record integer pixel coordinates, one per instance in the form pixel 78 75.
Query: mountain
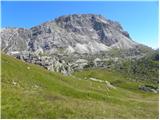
pixel 70 42
pixel 83 33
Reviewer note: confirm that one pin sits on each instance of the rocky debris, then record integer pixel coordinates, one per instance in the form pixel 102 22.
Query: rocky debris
pixel 108 85
pixel 80 64
pixel 99 62
pixel 35 86
pixel 147 88
pixel 14 83
pixel 66 64
pixel 96 80
pixel 28 68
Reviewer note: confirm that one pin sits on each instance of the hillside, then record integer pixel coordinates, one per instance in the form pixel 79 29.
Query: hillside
pixel 143 69
pixel 30 91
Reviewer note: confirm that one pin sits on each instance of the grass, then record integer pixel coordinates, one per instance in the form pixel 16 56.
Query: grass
pixel 29 91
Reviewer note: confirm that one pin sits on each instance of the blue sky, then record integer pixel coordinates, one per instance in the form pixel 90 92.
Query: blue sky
pixel 140 19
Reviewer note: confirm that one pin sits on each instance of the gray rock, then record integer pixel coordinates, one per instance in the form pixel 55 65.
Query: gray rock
pixel 82 33
pixel 148 89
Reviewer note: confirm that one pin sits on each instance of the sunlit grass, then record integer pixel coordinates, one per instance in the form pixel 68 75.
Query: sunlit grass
pixel 29 91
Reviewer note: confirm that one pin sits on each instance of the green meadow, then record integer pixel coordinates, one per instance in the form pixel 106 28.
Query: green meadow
pixel 30 91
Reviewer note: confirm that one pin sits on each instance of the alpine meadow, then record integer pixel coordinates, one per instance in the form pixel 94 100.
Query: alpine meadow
pixel 77 65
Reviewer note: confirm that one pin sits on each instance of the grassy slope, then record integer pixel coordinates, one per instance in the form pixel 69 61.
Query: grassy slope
pixel 38 93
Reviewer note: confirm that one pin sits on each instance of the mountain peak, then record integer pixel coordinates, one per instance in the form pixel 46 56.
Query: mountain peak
pixel 90 15
pixel 80 18
pixel 82 33
pixel 98 22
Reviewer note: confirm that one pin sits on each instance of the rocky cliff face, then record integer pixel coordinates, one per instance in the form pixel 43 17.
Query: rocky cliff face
pixel 68 42
pixel 86 33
